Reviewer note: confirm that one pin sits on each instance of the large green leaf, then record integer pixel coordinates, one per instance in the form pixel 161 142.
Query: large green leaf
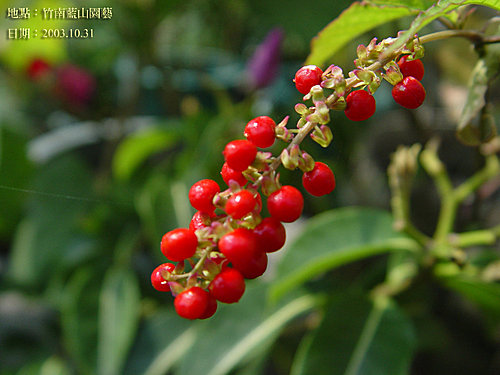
pixel 352 22
pixel 118 318
pixel 358 337
pixel 334 238
pixel 240 332
pixel 135 149
pixel 414 4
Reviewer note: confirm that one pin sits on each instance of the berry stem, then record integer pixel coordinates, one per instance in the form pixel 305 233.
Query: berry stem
pixel 474 36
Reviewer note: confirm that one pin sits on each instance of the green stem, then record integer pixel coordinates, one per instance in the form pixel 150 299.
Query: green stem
pixel 474 238
pixel 490 170
pixel 474 36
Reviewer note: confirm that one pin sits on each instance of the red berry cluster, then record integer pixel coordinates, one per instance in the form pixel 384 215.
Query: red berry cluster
pixel 228 238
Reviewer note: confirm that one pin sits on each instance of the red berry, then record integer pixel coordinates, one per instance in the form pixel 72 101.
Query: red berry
pixel 200 220
pixel 240 154
pixel 286 204
pixel 239 246
pixel 211 308
pixel 202 194
pixel 260 131
pixel 228 286
pixel 271 234
pixel 179 244
pixel 409 93
pixel 240 204
pixel 307 77
pixel 229 174
pixel 38 68
pixel 360 105
pixel 255 267
pixel 320 181
pixel 413 68
pixel 191 303
pixel 157 280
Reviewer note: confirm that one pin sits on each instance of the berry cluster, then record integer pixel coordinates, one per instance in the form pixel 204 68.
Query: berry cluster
pixel 228 238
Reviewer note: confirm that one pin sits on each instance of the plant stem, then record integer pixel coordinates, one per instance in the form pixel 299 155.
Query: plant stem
pixel 474 36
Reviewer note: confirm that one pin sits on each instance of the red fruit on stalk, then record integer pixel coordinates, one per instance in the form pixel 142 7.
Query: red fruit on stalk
pixel 157 280
pixel 360 105
pixel 240 154
pixel 240 204
pixel 192 303
pixel 320 181
pixel 260 131
pixel 307 77
pixel 409 93
pixel 229 174
pixel 201 195
pixel 413 68
pixel 179 244
pixel 239 246
pixel 286 204
pixel 228 286
pixel 271 234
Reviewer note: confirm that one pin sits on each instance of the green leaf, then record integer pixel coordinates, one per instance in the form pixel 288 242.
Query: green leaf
pixel 334 238
pixel 225 342
pixel 54 366
pixel 162 341
pixel 135 149
pixel 486 295
pixel 495 4
pixel 413 4
pixel 78 318
pixel 485 70
pixel 358 337
pixel 118 318
pixel 352 22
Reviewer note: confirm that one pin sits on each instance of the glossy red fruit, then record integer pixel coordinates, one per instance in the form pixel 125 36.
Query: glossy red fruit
pixel 286 204
pixel 210 309
pixel 201 195
pixel 157 280
pixel 228 286
pixel 200 220
pixel 413 68
pixel 307 77
pixel 240 154
pixel 239 246
pixel 179 244
pixel 260 131
pixel 360 105
pixel 409 93
pixel 240 204
pixel 271 234
pixel 320 181
pixel 191 303
pixel 255 267
pixel 229 174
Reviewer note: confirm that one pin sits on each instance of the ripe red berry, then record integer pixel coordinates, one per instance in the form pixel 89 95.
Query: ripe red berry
pixel 360 105
pixel 202 194
pixel 255 267
pixel 228 286
pixel 320 181
pixel 413 68
pixel 307 77
pixel 200 220
pixel 286 204
pixel 191 303
pixel 271 234
pixel 210 309
pixel 260 131
pixel 240 204
pixel 409 93
pixel 229 174
pixel 239 246
pixel 179 244
pixel 38 68
pixel 157 280
pixel 240 154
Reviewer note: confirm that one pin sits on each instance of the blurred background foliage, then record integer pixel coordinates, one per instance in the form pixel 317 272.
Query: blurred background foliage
pixel 100 140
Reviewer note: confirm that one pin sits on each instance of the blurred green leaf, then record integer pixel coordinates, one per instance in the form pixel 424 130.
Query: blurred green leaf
pixel 162 340
pixel 352 22
pixel 136 148
pixel 485 70
pixel 413 4
pixel 334 238
pixel 54 366
pixel 15 173
pixel 118 318
pixel 358 337
pixel 79 310
pixel 58 200
pixel 239 332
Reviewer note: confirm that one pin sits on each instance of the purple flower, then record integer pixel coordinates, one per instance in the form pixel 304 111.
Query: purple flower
pixel 263 66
